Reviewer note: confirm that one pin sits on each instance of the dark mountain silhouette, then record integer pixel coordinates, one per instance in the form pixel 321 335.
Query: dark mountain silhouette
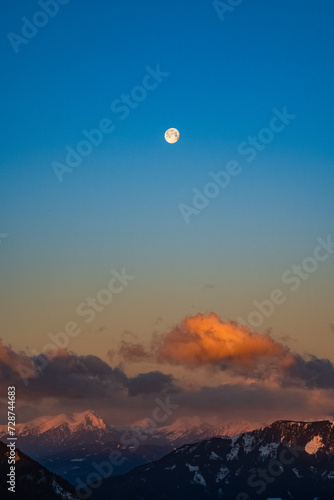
pixel 33 481
pixel 286 460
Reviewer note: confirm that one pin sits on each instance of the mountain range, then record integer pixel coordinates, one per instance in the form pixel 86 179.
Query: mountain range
pixel 69 444
pixel 285 460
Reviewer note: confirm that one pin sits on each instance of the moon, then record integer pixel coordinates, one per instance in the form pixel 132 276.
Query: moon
pixel 172 135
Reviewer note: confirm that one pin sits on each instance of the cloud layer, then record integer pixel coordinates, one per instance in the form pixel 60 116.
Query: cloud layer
pixel 265 378
pixel 208 341
pixel 69 376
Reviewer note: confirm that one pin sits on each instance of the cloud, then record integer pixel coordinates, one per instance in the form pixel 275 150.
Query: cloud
pixel 209 286
pixel 151 382
pixel 134 351
pixel 68 376
pixel 256 401
pixel 313 373
pixel 69 382
pixel 13 364
pixel 78 377
pixel 208 341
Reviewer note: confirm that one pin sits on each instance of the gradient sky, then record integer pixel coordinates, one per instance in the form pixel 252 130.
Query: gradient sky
pixel 119 207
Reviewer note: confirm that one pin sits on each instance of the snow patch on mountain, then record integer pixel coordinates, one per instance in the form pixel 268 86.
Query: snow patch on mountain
pixel 248 443
pixel 214 456
pixel 233 455
pixel 297 473
pixel 198 478
pixel 170 468
pixel 223 472
pixel 314 445
pixel 61 492
pixel 192 468
pixel 269 450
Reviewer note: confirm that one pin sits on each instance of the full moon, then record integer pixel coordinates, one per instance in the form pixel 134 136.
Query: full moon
pixel 172 135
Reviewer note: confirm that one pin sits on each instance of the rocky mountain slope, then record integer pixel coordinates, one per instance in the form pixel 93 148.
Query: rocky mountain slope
pixel 286 460
pixel 33 482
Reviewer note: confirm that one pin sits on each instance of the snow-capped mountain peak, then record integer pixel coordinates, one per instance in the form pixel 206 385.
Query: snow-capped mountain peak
pixel 72 422
pixel 88 419
pixel 195 428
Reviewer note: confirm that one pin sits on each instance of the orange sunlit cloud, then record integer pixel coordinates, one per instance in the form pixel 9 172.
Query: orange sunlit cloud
pixel 205 340
pixel 208 341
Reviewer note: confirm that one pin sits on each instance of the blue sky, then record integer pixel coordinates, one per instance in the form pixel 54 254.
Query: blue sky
pixel 119 207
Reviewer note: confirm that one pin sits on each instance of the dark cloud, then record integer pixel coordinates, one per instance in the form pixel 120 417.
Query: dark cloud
pixel 255 401
pixel 313 373
pixel 69 376
pixel 12 364
pixel 209 286
pixel 72 376
pixel 147 383
pixel 134 351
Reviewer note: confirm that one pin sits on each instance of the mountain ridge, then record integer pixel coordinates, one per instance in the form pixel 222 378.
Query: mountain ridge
pixel 33 481
pixel 271 462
